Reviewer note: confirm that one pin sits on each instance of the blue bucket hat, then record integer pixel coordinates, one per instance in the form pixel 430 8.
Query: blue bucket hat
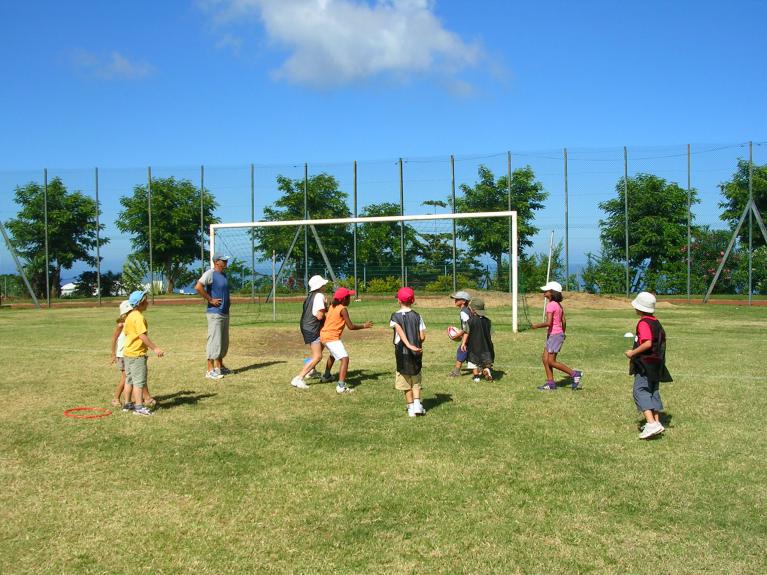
pixel 136 297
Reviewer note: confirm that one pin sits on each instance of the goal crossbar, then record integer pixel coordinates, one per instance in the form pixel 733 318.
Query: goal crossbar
pixel 513 248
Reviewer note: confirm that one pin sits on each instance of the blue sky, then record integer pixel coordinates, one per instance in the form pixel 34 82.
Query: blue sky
pixel 181 83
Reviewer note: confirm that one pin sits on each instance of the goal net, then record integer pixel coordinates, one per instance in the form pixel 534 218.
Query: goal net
pixel 433 253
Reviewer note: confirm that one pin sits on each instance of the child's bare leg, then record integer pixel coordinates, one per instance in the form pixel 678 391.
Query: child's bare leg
pixel 545 358
pixel 316 358
pixel 344 369
pixel 557 365
pixel 409 396
pixel 210 365
pixel 119 389
pixel 128 392
pixel 650 416
pixel 137 396
pixel 329 363
pixel 148 399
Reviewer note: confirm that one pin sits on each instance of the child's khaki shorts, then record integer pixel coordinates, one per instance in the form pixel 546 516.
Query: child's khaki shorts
pixel 407 382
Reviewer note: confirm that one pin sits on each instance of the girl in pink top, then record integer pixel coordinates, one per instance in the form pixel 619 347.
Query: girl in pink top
pixel 556 325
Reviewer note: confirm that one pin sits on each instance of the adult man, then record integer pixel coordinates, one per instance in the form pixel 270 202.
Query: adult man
pixel 214 288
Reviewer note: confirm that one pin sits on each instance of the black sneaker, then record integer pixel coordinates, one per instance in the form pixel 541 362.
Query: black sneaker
pixel 128 406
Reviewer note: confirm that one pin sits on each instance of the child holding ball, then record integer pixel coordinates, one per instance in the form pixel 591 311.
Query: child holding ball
pixel 336 319
pixel 556 326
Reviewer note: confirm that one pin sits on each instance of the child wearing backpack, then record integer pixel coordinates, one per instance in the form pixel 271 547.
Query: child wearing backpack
pixel 409 335
pixel 648 364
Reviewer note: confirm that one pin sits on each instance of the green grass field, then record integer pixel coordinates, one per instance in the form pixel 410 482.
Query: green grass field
pixel 249 475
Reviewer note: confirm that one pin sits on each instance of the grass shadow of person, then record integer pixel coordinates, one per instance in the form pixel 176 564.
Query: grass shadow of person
pixel 355 377
pixel 498 374
pixel 185 397
pixel 430 403
pixel 255 366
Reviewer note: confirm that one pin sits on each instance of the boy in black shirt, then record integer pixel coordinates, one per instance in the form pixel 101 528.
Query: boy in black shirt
pixel 409 335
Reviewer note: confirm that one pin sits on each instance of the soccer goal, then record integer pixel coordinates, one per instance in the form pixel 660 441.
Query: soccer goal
pixel 377 253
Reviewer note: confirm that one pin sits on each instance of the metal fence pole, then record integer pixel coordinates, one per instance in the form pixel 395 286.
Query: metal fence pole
pixel 252 237
pixel 45 225
pixel 452 184
pixel 354 251
pixel 626 212
pixel 149 212
pixel 689 222
pixel 98 247
pixel 750 220
pixel 567 231
pixel 202 219
pixel 509 176
pixel 401 224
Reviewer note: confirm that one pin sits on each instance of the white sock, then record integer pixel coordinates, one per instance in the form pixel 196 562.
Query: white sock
pixel 416 404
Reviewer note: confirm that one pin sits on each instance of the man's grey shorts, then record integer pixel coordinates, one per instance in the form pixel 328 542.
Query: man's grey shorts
pixel 135 371
pixel 218 335
pixel 554 342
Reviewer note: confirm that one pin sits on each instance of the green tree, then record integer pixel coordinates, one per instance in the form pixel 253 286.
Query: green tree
pixel 72 231
pixel 378 244
pixel 87 284
pixel 603 275
pixel 735 192
pixel 324 199
pixel 533 269
pixel 657 215
pixel 491 237
pixel 176 234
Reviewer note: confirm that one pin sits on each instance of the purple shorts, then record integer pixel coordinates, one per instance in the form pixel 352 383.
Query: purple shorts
pixel 554 342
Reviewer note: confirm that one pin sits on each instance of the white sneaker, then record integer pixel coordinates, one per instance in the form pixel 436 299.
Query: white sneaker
pixel 299 383
pixel 213 374
pixel 651 430
pixel 411 412
pixel 419 410
pixel 343 389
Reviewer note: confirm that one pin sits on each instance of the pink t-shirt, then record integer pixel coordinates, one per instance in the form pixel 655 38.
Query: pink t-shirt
pixel 644 333
pixel 556 326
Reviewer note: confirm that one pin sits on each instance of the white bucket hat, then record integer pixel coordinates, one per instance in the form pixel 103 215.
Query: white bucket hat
pixel 554 286
pixel 125 307
pixel 316 282
pixel 645 302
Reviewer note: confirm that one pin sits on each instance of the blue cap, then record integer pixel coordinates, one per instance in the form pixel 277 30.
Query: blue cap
pixel 136 297
pixel 220 256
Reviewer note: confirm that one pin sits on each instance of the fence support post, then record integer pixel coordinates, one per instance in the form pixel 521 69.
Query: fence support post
pixel 626 213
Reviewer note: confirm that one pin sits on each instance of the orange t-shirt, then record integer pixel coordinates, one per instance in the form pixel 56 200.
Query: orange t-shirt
pixel 334 324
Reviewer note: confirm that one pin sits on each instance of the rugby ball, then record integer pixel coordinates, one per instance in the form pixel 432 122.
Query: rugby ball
pixel 452 333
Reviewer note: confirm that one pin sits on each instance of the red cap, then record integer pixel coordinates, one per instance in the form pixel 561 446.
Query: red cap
pixel 406 295
pixel 342 292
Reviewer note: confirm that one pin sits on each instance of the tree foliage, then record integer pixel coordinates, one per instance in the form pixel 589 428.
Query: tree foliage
pixel 72 231
pixel 657 215
pixel 378 244
pixel 87 284
pixel 324 200
pixel 176 233
pixel 735 192
pixel 491 237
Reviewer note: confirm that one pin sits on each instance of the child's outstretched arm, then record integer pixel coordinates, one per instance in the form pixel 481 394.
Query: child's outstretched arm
pixel 403 337
pixel 354 326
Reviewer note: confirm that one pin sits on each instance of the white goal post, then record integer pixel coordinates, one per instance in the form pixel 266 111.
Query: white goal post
pixel 514 249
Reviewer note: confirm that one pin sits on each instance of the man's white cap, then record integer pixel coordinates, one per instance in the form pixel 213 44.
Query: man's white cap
pixel 555 286
pixel 316 282
pixel 644 301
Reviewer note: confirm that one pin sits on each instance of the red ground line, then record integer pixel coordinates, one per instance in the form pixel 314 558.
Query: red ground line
pixel 104 412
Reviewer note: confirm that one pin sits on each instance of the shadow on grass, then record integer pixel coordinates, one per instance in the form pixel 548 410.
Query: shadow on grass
pixel 356 377
pixel 184 397
pixel 255 366
pixel 433 402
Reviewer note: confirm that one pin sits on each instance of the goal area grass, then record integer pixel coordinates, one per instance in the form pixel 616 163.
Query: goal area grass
pixel 250 475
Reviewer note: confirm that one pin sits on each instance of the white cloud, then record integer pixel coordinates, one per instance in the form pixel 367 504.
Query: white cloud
pixel 338 42
pixel 111 67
